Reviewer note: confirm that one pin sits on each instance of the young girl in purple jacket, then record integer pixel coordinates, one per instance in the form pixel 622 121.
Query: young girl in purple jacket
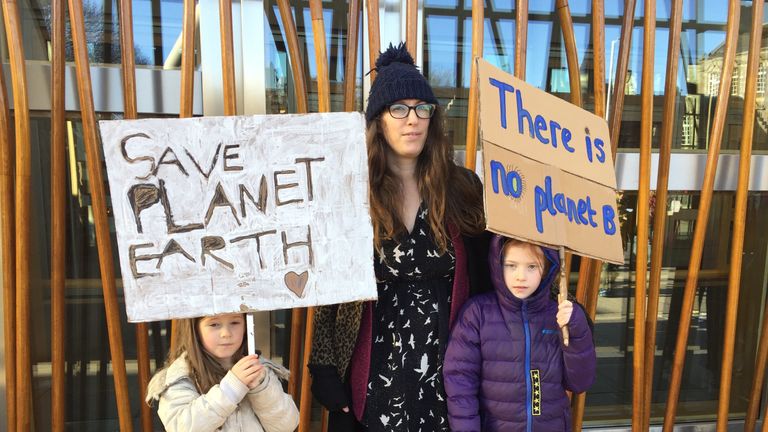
pixel 506 368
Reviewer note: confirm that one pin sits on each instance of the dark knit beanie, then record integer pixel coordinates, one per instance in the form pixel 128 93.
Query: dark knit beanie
pixel 397 78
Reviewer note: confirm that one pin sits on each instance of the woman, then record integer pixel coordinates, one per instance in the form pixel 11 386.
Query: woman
pixel 380 362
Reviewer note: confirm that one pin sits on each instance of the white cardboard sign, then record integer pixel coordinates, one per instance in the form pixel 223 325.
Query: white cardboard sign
pixel 240 214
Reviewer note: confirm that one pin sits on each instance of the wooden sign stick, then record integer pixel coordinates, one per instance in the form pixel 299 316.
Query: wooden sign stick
pixel 251 333
pixel 563 295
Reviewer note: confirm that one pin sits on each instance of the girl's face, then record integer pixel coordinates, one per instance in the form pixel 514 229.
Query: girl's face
pixel 405 136
pixel 222 336
pixel 522 270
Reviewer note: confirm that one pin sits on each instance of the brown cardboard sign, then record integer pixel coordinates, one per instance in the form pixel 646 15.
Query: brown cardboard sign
pixel 548 171
pixel 543 127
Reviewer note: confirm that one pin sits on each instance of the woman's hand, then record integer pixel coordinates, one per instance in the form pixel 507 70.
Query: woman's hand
pixel 249 371
pixel 564 312
pixel 328 388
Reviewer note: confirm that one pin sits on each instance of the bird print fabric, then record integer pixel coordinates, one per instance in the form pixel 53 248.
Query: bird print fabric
pixel 405 388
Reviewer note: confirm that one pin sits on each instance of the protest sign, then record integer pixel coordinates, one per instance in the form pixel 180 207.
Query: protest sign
pixel 548 170
pixel 240 214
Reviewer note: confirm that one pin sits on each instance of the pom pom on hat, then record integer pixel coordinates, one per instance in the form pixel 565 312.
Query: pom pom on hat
pixel 394 54
pixel 398 78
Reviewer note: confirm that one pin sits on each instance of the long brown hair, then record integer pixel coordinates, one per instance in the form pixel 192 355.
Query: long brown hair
pixel 451 193
pixel 205 369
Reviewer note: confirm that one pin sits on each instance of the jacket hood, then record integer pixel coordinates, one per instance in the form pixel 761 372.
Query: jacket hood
pixel 541 295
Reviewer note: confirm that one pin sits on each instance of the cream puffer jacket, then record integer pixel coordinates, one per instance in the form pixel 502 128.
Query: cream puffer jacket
pixel 228 406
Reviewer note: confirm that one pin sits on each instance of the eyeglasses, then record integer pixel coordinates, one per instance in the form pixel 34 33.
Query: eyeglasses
pixel 401 111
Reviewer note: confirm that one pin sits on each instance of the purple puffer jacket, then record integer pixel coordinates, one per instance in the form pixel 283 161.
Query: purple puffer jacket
pixel 506 368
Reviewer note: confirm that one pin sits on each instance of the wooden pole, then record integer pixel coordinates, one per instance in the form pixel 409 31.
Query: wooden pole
pixel 187 60
pixel 324 421
pixel 227 58
pixel 187 87
pixel 643 209
pixel 292 39
pixel 374 42
pixel 295 356
pixel 521 37
pixel 660 214
pixel 128 65
pixel 128 69
pixel 22 184
pixel 8 230
pixel 473 111
pixel 305 413
pixel 324 105
pixel 588 286
pixel 761 361
pixel 411 25
pixel 765 419
pixel 702 217
pixel 585 268
pixel 740 215
pixel 321 60
pixel 58 221
pixel 598 67
pixel 101 222
pixel 350 59
pixel 566 24
pixel 622 65
pixel 297 314
pixel 563 294
pixel 598 56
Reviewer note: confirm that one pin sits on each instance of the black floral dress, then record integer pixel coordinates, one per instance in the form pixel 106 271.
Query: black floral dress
pixel 405 385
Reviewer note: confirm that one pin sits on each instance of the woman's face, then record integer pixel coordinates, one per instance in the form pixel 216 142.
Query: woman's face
pixel 222 336
pixel 405 136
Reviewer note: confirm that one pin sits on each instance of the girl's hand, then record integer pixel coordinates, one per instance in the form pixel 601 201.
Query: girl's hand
pixel 564 312
pixel 249 371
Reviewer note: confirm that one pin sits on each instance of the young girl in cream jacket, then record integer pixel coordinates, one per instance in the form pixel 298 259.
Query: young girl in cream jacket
pixel 210 385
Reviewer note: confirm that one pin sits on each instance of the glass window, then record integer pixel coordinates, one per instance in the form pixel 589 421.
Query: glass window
pixel 440 64
pixel 280 91
pixel 736 80
pixel 447 4
pixel 609 401
pixel 90 395
pixel 156 27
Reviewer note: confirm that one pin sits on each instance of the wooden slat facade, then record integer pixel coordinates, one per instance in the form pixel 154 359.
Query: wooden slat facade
pixel 8 229
pixel 22 180
pixel 697 249
pixel 660 212
pixel 15 187
pixel 643 209
pixel 101 223
pixel 588 285
pixel 740 216
pixel 58 220
pixel 473 110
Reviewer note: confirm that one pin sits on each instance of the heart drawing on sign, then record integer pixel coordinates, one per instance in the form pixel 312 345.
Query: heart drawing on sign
pixel 296 282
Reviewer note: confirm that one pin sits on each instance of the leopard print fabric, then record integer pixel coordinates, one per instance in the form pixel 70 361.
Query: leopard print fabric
pixel 335 335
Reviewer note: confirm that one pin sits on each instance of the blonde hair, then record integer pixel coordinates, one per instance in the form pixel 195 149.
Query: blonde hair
pixel 534 249
pixel 205 370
